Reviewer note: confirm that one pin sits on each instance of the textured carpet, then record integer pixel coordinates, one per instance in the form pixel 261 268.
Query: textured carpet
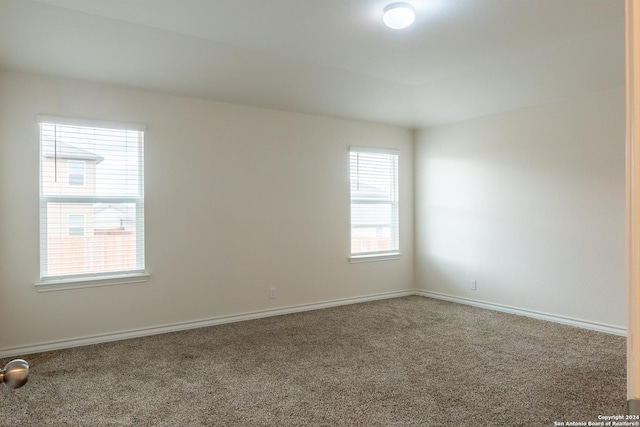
pixel 402 362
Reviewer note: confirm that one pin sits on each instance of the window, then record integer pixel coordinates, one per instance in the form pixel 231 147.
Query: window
pixel 374 203
pixel 76 225
pixel 91 222
pixel 76 172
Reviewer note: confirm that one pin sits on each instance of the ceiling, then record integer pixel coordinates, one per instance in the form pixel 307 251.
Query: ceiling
pixel 461 59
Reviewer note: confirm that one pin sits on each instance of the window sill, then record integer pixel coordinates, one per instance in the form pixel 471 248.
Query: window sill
pixel 375 257
pixel 90 282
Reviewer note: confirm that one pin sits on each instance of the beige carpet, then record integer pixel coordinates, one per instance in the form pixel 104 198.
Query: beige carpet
pixel 403 362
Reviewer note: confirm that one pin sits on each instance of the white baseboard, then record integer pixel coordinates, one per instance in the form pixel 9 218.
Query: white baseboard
pixel 594 326
pixel 137 333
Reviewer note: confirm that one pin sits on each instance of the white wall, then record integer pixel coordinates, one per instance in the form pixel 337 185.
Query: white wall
pixel 531 204
pixel 238 199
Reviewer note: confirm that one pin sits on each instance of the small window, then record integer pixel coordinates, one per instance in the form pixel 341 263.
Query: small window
pixel 374 202
pixel 76 225
pixel 76 172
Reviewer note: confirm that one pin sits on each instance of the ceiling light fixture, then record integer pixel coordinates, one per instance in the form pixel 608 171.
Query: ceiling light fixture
pixel 398 15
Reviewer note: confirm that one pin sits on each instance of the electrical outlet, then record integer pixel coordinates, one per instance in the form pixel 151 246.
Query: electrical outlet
pixel 474 285
pixel 272 293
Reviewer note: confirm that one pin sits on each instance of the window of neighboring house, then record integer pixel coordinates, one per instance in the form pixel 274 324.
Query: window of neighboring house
pixel 76 225
pixel 82 237
pixel 374 204
pixel 76 172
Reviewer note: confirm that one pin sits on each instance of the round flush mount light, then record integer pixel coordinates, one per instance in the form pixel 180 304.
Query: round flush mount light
pixel 398 15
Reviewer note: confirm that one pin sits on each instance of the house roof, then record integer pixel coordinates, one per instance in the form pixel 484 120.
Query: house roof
pixel 63 150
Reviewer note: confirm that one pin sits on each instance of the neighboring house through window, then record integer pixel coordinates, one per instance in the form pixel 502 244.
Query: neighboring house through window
pixel 374 203
pixel 92 220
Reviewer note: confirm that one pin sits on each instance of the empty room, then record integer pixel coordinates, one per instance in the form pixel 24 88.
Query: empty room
pixel 316 213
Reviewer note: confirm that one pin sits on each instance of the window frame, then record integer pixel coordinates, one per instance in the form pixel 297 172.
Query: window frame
pixel 91 279
pixel 394 202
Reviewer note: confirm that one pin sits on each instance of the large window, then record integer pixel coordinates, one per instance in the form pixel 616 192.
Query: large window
pixel 374 202
pixel 91 200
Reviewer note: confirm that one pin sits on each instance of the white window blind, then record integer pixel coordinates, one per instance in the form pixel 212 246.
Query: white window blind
pixel 374 201
pixel 91 199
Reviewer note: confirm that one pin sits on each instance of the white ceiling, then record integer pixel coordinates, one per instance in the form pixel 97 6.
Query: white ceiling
pixel 461 58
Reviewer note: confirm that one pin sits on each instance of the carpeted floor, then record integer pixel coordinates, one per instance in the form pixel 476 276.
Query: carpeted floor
pixel 410 361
